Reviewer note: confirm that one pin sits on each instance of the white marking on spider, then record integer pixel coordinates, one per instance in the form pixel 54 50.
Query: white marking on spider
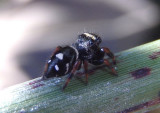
pixel 56 67
pixel 59 56
pixel 49 61
pixel 77 53
pixel 67 68
pixel 90 35
pixel 102 49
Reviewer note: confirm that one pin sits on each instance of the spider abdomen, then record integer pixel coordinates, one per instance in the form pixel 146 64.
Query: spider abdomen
pixel 61 62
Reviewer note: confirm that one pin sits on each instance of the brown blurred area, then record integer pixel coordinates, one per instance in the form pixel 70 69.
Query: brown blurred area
pixel 31 29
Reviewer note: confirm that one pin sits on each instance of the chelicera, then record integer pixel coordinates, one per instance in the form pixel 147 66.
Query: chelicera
pixel 68 59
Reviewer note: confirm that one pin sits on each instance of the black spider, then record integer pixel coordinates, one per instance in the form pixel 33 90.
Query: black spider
pixel 66 60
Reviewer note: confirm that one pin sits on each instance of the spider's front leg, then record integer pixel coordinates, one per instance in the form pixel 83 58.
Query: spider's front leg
pixel 110 67
pixel 110 54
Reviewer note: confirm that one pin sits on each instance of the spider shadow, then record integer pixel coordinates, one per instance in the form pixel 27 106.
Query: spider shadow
pixel 81 75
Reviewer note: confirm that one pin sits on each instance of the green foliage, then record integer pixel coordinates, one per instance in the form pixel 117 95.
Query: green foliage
pixel 133 90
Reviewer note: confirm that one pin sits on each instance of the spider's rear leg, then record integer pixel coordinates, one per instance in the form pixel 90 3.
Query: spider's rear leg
pixel 75 67
pixel 79 67
pixel 85 64
pixel 58 48
pixel 110 67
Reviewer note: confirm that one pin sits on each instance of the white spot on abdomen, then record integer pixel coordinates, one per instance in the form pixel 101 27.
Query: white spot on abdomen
pixel 56 67
pixel 49 61
pixel 67 67
pixel 77 53
pixel 59 56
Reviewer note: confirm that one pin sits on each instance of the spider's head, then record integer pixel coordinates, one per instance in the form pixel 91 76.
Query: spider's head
pixel 93 38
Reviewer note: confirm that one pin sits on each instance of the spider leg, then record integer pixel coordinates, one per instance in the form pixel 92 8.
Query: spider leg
pixel 110 66
pixel 79 67
pixel 110 54
pixel 56 50
pixel 85 64
pixel 75 67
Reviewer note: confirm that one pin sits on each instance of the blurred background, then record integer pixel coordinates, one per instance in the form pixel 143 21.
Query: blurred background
pixel 30 30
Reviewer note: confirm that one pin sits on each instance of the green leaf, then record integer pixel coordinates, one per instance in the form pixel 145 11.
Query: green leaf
pixel 136 88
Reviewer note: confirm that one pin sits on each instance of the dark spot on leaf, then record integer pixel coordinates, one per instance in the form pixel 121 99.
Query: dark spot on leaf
pixel 141 73
pixel 116 98
pixel 141 106
pixel 33 82
pixel 154 55
pixel 36 86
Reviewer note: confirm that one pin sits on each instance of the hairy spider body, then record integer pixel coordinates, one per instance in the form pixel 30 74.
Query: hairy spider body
pixel 66 60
